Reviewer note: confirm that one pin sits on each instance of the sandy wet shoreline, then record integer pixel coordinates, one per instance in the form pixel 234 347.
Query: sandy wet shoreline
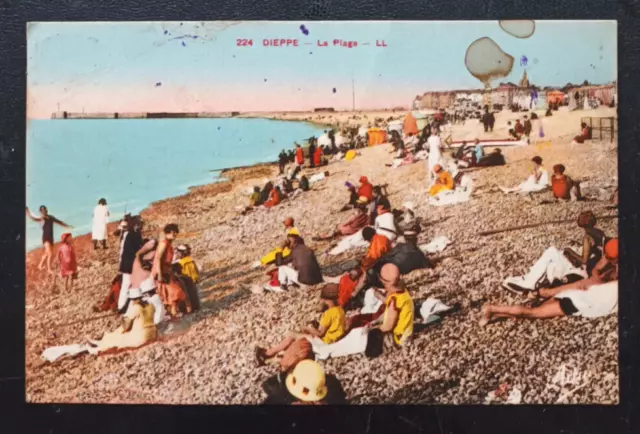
pixel 453 362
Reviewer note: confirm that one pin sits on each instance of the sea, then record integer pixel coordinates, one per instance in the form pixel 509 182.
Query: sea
pixel 131 163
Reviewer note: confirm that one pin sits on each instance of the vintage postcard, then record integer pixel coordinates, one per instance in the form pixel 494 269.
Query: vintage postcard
pixel 322 212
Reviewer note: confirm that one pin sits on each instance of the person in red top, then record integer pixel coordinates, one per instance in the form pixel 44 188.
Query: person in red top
pixel 347 285
pixel 67 260
pixel 168 287
pixel 378 247
pixel 274 198
pixel 366 189
pixel 317 157
pixel 562 186
pixel 358 220
pixel 586 134
pixel 299 155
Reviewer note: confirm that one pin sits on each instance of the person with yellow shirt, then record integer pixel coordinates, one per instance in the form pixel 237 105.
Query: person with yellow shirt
pixel 290 229
pixel 188 266
pixel 398 315
pixel 330 328
pixel 443 181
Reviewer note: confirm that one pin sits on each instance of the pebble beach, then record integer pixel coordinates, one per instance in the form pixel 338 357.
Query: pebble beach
pixel 208 358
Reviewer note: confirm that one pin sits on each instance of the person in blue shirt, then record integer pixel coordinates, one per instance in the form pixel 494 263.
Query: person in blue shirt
pixel 478 151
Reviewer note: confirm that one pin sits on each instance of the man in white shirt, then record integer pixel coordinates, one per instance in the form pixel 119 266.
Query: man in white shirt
pixel 385 224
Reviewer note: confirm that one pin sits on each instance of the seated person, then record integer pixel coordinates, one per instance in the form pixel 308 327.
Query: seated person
pixel 137 328
pixel 265 193
pixel 303 269
pixel 398 314
pixel 562 186
pixel 188 267
pixel 379 198
pixel 459 153
pixel 384 223
pixel 586 134
pixel 353 198
pixel 305 384
pixel 365 189
pixel 493 159
pixel 379 245
pixel 478 152
pixel 275 196
pixel 537 181
pixel 331 327
pixel 289 227
pixel 443 181
pixel 356 221
pixel 556 265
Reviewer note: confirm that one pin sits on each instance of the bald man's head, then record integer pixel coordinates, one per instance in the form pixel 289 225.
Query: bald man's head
pixel 390 275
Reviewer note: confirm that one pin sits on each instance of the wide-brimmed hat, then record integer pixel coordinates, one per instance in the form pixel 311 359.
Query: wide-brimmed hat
pixel 330 291
pixel 307 382
pixel 362 200
pixel 183 248
pixel 135 293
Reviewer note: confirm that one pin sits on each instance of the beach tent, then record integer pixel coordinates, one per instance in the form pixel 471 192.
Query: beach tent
pixel 324 140
pixel 410 124
pixel 377 136
pixel 421 121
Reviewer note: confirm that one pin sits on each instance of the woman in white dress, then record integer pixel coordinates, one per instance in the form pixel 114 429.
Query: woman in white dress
pixel 100 220
pixel 434 144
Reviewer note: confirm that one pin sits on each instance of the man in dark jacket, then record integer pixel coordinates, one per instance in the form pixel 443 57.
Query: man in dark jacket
pixel 130 243
pixel 282 161
pixel 312 150
pixel 303 269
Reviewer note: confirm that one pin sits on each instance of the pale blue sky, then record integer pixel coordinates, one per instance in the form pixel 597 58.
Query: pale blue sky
pixel 76 62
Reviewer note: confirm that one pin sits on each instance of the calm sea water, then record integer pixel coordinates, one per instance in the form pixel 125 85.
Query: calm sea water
pixel 71 164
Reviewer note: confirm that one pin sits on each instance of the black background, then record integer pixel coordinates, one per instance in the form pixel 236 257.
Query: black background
pixel 17 417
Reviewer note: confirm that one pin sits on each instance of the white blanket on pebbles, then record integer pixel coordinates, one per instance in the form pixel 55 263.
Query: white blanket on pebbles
pixel 52 354
pixel 355 342
pixel 349 242
pixel 438 244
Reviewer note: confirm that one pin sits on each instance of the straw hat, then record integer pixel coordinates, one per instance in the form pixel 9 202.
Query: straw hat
pixel 362 200
pixel 135 293
pixel 307 381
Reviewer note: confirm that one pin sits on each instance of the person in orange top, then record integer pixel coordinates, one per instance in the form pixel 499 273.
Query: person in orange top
pixel 443 181
pixel 68 263
pixel 169 289
pixel 299 155
pixel 366 189
pixel 347 285
pixel 317 157
pixel 378 247
pixel 274 198
pixel 562 186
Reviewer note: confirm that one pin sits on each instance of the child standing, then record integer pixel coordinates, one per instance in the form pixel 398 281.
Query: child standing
pixel 67 260
pixel 188 266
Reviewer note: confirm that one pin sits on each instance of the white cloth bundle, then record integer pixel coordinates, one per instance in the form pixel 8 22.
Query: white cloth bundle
pixel 355 342
pixel 52 354
pixel 438 244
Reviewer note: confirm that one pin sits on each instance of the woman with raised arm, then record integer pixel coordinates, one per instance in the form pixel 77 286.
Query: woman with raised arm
pixel 46 220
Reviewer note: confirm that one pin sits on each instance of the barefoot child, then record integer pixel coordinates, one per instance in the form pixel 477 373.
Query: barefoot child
pixel 67 260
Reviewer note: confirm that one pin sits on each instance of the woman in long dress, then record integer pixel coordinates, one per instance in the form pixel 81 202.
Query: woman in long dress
pixel 434 144
pixel 100 220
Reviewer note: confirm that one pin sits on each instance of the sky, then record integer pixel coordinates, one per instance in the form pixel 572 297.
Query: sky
pixel 197 66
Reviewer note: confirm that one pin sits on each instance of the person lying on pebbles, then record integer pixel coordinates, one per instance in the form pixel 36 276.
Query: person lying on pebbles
pixel 593 297
pixel 557 266
pixel 356 221
pixel 329 329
